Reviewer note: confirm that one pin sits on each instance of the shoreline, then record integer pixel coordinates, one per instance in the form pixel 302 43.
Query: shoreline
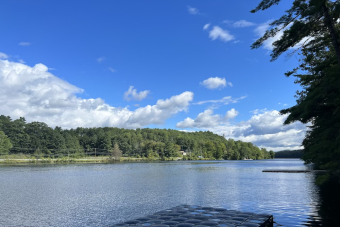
pixel 103 159
pixel 89 160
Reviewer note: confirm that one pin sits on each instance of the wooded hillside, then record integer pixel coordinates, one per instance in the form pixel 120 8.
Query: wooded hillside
pixel 38 138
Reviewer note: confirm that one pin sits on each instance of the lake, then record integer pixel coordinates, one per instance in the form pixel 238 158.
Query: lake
pixel 103 194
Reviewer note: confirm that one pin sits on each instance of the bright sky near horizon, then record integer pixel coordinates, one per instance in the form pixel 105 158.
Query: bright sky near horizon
pixel 184 65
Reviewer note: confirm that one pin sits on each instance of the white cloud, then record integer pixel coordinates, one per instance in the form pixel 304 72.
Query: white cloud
pixel 258 111
pixel 21 61
pixel 229 84
pixel 243 23
pixel 224 101
pixel 268 44
pixel 133 94
pixel 207 119
pixel 214 83
pixel 112 70
pixel 3 55
pixel 24 43
pixel 231 114
pixel 206 26
pixel 163 109
pixel 38 95
pixel 227 21
pixel 192 10
pixel 265 129
pixel 101 59
pixel 219 33
pixel 261 29
pixel 50 69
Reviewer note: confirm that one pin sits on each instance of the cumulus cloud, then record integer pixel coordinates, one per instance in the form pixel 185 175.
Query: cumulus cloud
pixel 206 26
pixel 219 33
pixel 133 94
pixel 38 95
pixel 192 10
pixel 3 55
pixel 101 59
pixel 265 129
pixel 207 119
pixel 24 43
pixel 243 23
pixel 214 83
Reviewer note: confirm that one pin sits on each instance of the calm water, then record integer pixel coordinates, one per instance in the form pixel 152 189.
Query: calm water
pixel 102 194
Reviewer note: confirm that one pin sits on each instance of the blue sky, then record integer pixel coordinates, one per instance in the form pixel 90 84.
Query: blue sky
pixel 184 65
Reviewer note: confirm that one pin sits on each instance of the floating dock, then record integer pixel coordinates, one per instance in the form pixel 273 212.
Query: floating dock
pixel 293 171
pixel 197 216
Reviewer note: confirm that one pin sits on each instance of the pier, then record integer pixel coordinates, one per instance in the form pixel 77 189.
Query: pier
pixel 293 171
pixel 197 216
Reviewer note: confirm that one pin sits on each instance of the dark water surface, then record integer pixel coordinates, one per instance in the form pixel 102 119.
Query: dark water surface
pixel 102 194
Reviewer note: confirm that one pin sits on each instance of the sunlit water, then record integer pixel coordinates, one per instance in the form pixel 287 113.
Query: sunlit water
pixel 103 194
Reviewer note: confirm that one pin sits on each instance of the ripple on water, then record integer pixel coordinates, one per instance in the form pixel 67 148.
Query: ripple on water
pixel 103 194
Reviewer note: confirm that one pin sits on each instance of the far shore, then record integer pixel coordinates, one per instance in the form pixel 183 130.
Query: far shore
pixel 99 159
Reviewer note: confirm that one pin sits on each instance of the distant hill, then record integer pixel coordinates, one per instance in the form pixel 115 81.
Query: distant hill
pixel 38 138
pixel 289 154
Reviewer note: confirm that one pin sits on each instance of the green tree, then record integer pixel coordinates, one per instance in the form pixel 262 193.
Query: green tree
pixel 5 143
pixel 304 21
pixel 116 153
pixel 316 24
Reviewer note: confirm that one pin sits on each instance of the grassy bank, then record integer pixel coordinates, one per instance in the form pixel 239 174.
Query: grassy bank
pixel 15 159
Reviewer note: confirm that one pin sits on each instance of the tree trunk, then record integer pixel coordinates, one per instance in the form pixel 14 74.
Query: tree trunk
pixel 329 24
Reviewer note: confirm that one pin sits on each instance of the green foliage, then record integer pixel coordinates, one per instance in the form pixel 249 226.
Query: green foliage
pixel 116 153
pixel 318 104
pixel 147 144
pixel 305 20
pixel 289 154
pixel 5 143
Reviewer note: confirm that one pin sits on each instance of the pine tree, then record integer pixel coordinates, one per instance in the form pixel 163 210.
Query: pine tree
pixel 116 153
pixel 316 24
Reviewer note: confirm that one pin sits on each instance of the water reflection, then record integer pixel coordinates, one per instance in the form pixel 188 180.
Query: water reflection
pixel 102 194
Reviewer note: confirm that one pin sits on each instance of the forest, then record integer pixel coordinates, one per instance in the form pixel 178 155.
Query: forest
pixel 37 138
pixel 289 154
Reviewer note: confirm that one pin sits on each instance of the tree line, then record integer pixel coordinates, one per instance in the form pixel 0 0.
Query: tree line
pixel 17 136
pixel 289 154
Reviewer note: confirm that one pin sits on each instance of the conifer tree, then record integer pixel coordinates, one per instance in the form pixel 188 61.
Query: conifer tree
pixel 314 26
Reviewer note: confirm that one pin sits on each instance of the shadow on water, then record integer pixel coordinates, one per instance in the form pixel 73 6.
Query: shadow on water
pixel 327 210
pixel 330 203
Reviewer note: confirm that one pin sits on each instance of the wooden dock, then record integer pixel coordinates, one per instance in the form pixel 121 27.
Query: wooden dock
pixel 293 171
pixel 197 216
